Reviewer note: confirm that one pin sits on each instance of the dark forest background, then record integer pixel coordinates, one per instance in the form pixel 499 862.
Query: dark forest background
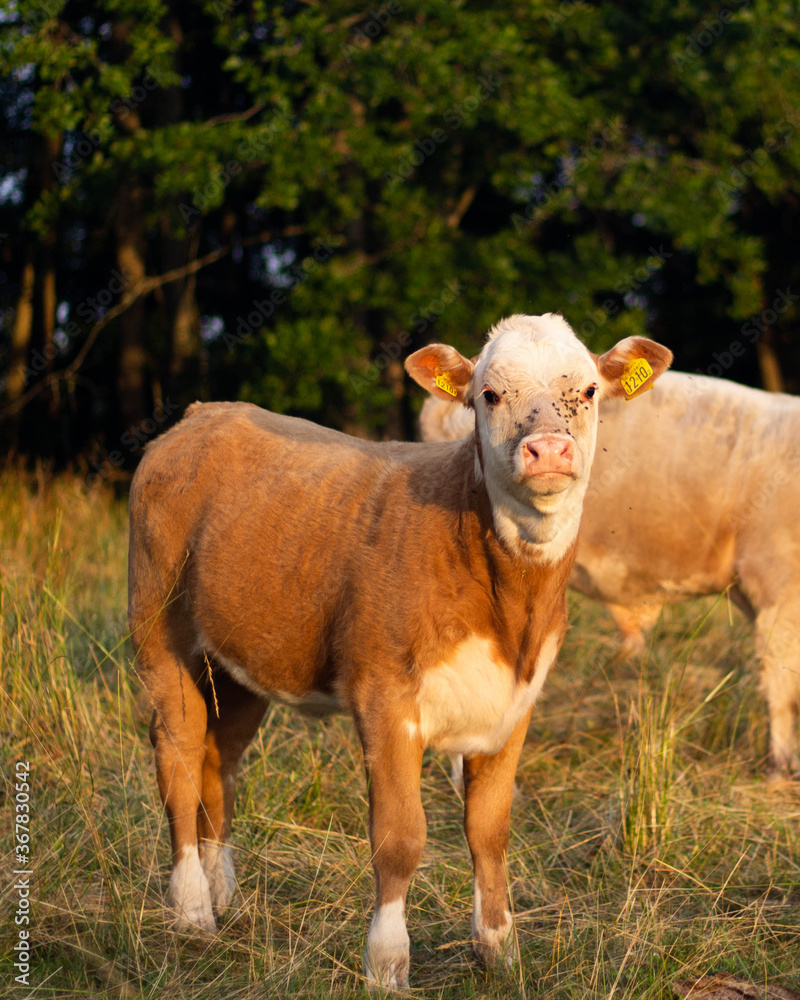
pixel 278 202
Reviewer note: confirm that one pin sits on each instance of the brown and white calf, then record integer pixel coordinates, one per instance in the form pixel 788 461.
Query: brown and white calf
pixel 419 586
pixel 695 490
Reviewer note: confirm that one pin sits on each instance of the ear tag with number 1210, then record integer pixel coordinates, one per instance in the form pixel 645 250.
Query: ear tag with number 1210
pixel 634 376
pixel 443 382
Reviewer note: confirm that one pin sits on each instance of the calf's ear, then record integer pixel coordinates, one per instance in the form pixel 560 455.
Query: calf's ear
pixel 631 367
pixel 444 372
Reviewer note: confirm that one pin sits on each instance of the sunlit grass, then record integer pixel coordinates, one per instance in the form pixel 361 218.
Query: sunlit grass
pixel 646 844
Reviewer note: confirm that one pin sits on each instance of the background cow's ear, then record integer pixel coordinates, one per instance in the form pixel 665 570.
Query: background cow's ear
pixel 441 370
pixel 622 373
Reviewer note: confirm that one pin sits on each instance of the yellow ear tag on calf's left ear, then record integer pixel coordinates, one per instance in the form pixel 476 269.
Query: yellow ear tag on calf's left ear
pixel 634 376
pixel 443 382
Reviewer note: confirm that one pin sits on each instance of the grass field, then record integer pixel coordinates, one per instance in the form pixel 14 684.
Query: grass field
pixel 646 844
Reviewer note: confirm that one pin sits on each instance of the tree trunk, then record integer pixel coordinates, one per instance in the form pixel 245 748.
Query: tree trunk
pixel 771 377
pixel 185 327
pixel 49 254
pixel 35 317
pixel 22 331
pixel 183 360
pixel 132 371
pixel 47 305
pixel 183 368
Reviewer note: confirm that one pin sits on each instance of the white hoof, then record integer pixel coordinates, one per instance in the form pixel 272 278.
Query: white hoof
pixel 493 946
pixel 784 767
pixel 634 647
pixel 189 896
pixel 386 957
pixel 219 872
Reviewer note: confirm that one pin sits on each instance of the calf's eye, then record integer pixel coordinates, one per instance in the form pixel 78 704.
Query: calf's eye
pixel 491 397
pixel 588 393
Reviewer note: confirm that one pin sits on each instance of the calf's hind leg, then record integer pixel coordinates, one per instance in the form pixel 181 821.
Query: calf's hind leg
pixel 178 733
pixel 234 715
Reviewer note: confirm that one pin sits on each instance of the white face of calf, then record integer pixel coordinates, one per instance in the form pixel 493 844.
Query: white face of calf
pixel 535 390
pixel 534 393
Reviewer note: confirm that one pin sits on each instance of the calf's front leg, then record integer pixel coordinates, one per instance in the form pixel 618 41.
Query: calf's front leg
pixel 488 792
pixel 397 830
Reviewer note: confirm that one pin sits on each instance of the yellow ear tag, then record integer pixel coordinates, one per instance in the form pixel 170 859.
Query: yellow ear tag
pixel 443 382
pixel 634 376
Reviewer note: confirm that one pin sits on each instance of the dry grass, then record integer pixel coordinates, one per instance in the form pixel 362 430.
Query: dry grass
pixel 646 845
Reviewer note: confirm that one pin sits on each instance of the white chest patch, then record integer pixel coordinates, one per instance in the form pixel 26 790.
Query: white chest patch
pixel 471 703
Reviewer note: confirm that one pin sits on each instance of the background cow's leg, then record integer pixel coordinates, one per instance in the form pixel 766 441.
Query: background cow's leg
pixel 229 733
pixel 397 832
pixel 634 622
pixel 489 789
pixel 778 648
pixel 457 772
pixel 178 732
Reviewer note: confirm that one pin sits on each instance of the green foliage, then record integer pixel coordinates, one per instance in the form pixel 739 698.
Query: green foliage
pixel 536 153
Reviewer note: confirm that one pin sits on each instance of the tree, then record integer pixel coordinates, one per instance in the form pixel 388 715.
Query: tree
pixel 323 188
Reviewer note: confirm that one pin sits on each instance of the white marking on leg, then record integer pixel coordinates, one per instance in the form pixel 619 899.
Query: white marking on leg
pixel 218 868
pixel 387 953
pixel 457 773
pixel 492 944
pixel 188 896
